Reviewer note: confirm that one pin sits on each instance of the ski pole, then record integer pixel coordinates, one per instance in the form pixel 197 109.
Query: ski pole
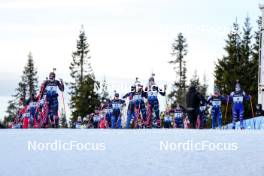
pixel 252 110
pixel 62 95
pixel 226 109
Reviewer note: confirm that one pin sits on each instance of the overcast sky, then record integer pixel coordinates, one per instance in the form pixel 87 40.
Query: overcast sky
pixel 127 38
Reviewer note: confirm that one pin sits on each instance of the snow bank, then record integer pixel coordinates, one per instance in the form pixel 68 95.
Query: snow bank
pixel 132 152
pixel 254 123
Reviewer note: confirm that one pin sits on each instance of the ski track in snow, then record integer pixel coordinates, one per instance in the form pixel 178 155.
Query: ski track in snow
pixel 131 152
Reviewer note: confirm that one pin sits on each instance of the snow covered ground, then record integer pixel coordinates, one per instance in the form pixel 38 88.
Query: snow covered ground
pixel 131 152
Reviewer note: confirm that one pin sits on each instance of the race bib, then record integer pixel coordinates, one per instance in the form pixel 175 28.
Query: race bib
pixel 116 105
pixel 216 103
pixel 167 118
pixel 178 115
pixel 108 110
pixel 33 104
pixel 26 115
pixel 202 108
pixel 78 126
pixel 52 89
pixel 238 99
pixel 152 93
pixel 137 97
pixel 96 118
pixel 42 101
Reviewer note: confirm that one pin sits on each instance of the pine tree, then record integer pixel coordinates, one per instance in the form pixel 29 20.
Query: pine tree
pixel 104 95
pixel 200 87
pixel 204 87
pixel 228 70
pixel 21 90
pixel 246 48
pixel 12 109
pixel 26 87
pixel 30 74
pixel 83 89
pixel 179 51
pixel 246 57
pixel 195 81
pixel 240 63
pixel 255 62
pixel 13 105
pixel 250 67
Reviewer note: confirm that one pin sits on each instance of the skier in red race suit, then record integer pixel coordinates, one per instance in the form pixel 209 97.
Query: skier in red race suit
pixel 23 116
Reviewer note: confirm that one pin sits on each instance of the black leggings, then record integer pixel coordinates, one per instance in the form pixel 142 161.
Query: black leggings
pixel 192 115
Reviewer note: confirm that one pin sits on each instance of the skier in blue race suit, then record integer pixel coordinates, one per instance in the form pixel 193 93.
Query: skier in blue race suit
pixel 136 100
pixel 167 119
pixel 179 112
pixel 117 105
pixel 152 92
pixel 202 113
pixel 32 107
pixel 237 98
pixel 51 91
pixel 216 101
pixel 108 107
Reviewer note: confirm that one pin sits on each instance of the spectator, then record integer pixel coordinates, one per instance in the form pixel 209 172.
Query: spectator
pixel 192 102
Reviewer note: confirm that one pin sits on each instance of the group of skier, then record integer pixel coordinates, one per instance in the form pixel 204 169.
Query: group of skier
pixel 237 99
pixel 195 115
pixel 109 114
pixel 151 114
pixel 40 110
pixel 142 111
